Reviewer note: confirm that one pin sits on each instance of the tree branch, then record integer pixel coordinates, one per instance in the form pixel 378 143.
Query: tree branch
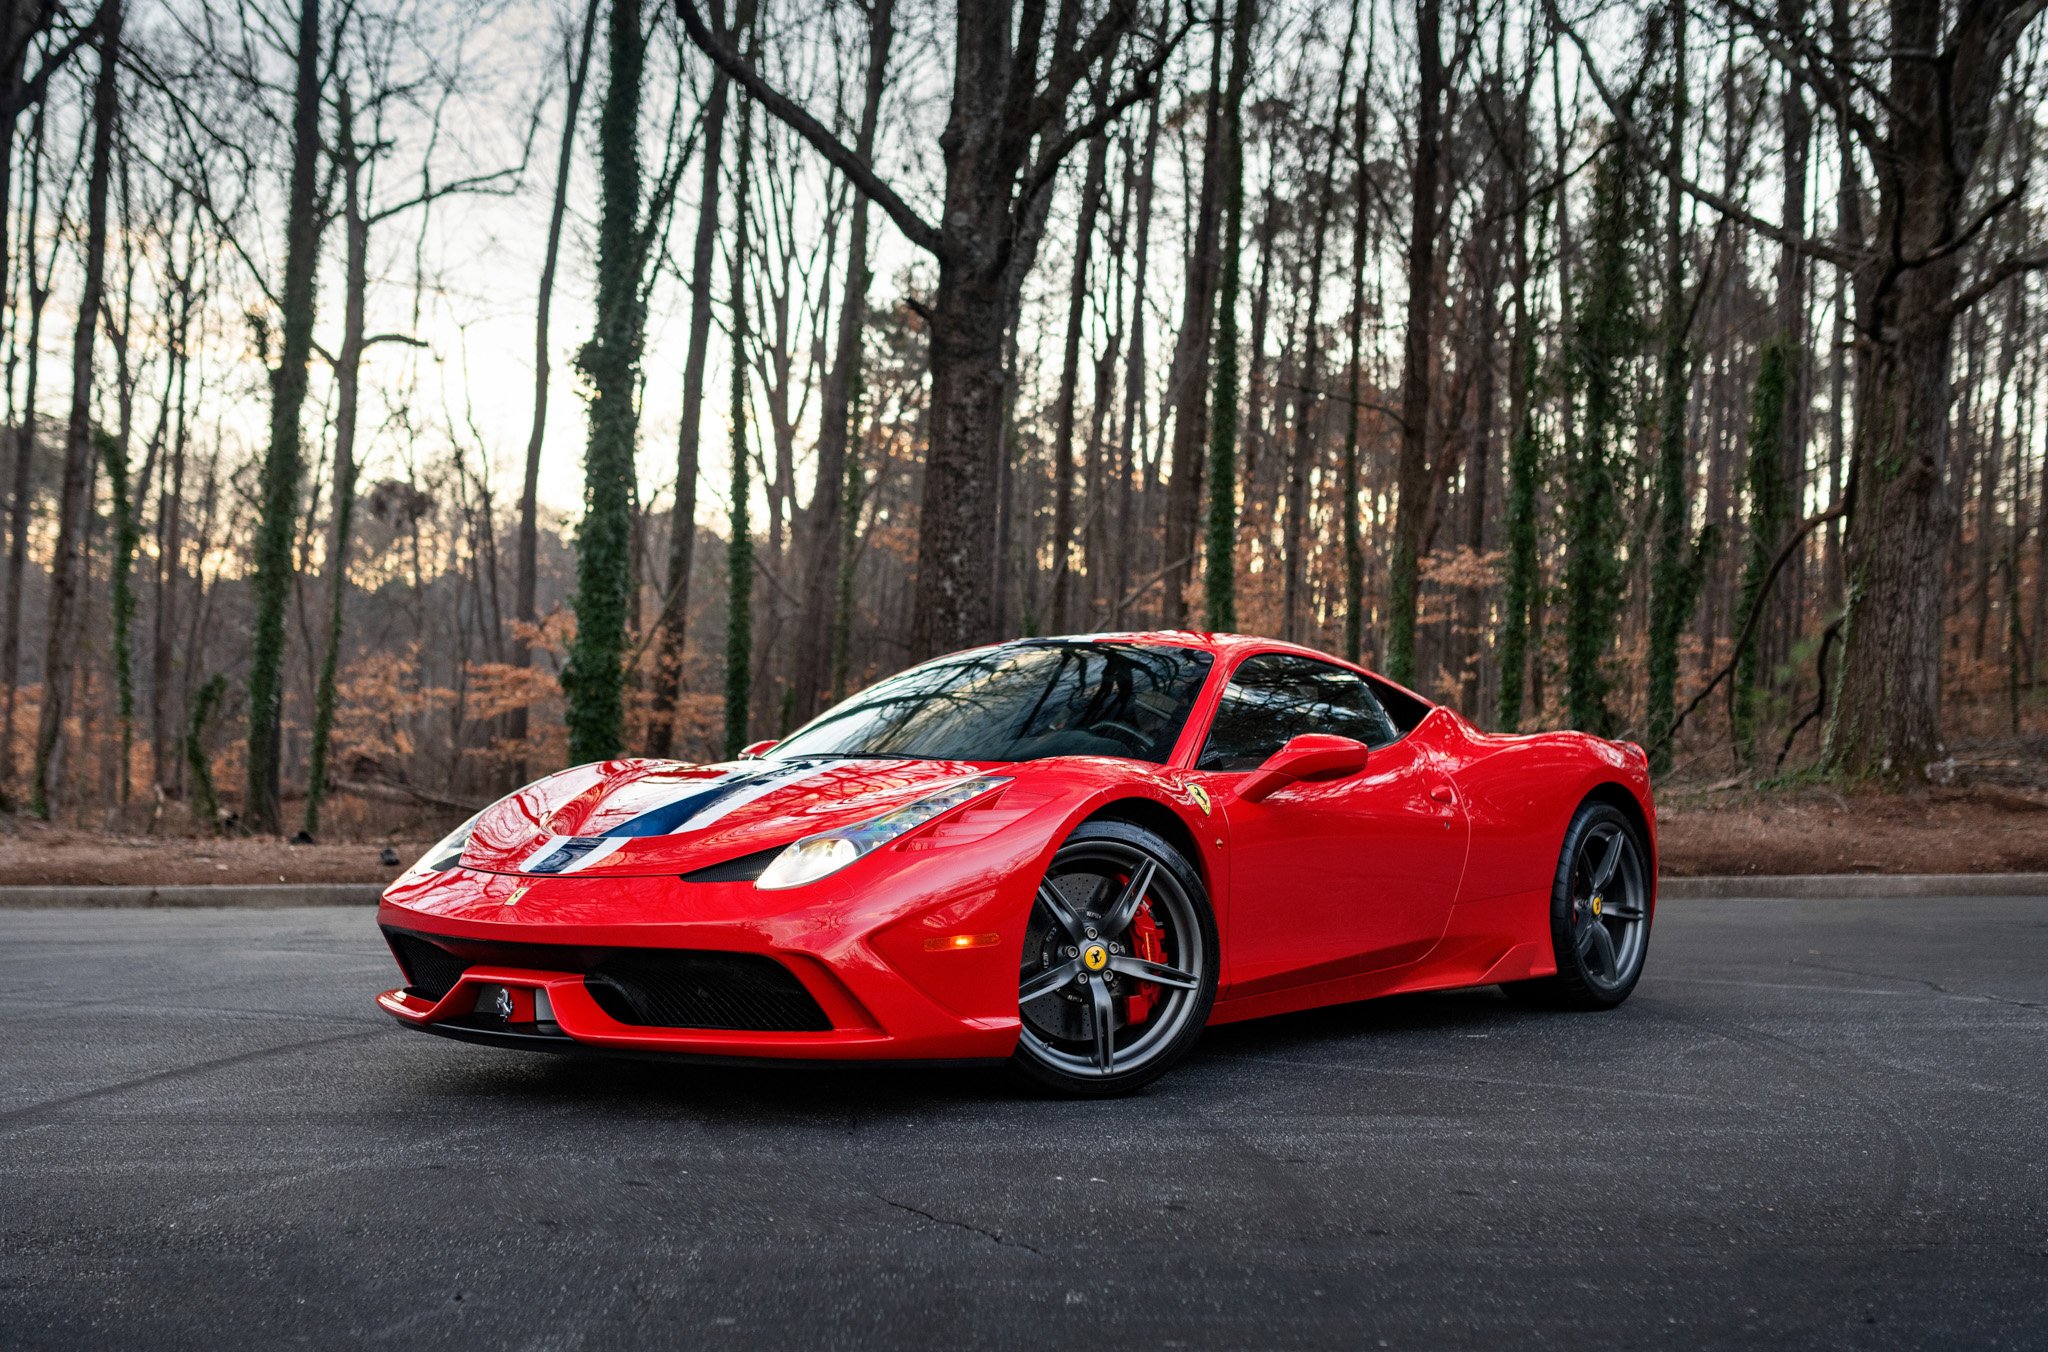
pixel 1995 276
pixel 1756 609
pixel 1805 244
pixel 914 227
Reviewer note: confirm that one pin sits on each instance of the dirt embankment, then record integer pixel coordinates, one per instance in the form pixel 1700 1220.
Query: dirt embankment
pixel 51 856
pixel 1980 829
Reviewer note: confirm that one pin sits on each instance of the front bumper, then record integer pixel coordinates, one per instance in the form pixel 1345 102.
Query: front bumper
pixel 862 950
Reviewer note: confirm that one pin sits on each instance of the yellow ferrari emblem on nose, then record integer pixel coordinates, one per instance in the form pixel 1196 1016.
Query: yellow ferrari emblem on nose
pixel 1095 957
pixel 517 893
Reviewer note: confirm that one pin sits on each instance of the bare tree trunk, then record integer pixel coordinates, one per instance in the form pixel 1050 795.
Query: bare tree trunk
pixel 1188 381
pixel 820 545
pixel 1131 432
pixel 23 495
pixel 1412 487
pixel 526 552
pixel 1887 720
pixel 1308 379
pixel 164 757
pixel 74 504
pixel 1070 379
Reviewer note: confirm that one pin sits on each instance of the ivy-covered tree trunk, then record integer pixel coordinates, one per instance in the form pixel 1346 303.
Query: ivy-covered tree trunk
pixel 1220 577
pixel 739 632
pixel 198 761
pixel 121 597
pixel 74 502
pixel 1602 345
pixel 1412 484
pixel 849 537
pixel 348 363
pixel 1676 566
pixel 1770 514
pixel 594 678
pixel 283 462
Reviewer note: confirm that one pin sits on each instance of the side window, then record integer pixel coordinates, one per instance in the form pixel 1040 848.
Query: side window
pixel 1275 697
pixel 1403 709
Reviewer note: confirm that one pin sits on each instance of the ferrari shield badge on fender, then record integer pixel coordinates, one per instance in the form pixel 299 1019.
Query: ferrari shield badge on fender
pixel 1201 797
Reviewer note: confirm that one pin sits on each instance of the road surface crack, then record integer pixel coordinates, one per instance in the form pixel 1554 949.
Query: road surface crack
pixel 993 1236
pixel 1934 986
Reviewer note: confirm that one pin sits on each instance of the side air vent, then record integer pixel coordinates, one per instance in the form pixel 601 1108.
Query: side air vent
pixel 744 869
pixel 739 991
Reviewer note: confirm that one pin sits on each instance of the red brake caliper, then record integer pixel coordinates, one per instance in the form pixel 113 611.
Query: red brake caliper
pixel 1145 945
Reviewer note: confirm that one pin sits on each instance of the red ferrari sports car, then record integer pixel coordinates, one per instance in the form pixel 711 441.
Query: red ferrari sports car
pixel 1070 853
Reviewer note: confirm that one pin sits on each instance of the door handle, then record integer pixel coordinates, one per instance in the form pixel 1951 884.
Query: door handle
pixel 1445 794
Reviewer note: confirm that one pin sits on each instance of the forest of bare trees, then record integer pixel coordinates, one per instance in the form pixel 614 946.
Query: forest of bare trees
pixel 405 399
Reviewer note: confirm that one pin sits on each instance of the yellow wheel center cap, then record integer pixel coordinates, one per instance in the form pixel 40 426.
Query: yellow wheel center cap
pixel 1095 957
pixel 1596 906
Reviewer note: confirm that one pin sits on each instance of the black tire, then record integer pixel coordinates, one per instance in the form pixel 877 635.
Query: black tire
pixel 1599 926
pixel 1082 962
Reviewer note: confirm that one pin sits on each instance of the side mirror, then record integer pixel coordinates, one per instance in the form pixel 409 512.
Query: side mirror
pixel 756 750
pixel 1312 756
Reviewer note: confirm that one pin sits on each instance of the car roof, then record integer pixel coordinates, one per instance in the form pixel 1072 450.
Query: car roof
pixel 1224 646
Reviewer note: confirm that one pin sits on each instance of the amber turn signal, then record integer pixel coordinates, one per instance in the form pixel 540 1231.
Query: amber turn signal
pixel 947 942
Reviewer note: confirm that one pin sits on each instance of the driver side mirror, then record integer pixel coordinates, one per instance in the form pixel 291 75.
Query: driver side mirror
pixel 756 750
pixel 1311 756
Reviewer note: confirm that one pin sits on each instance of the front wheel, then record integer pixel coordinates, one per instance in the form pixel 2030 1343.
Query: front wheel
pixel 1120 964
pixel 1599 913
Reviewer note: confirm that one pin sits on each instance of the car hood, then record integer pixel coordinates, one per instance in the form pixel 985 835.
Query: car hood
pixel 646 817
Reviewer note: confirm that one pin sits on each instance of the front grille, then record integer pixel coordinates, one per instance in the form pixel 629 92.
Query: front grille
pixel 645 987
pixel 430 970
pixel 739 991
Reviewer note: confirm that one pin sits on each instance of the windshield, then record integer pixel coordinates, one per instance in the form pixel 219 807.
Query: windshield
pixel 1021 701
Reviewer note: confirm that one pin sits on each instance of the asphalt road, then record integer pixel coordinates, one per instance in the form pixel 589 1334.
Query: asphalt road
pixel 1818 1123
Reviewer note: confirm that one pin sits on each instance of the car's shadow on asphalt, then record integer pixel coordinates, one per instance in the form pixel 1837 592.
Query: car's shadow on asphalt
pixel 810 1093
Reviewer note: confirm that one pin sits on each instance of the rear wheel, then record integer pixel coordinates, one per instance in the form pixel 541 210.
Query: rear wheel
pixel 1119 966
pixel 1599 913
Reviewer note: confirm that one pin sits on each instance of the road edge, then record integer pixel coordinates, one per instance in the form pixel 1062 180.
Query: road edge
pixel 1798 887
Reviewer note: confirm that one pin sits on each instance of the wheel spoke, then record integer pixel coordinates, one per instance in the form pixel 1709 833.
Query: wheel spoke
pixel 1119 916
pixel 1611 912
pixel 1583 940
pixel 1604 874
pixel 1603 944
pixel 1103 1020
pixel 1157 972
pixel 1063 915
pixel 1048 981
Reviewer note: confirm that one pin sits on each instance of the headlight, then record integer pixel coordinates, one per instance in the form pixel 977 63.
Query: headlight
pixel 446 852
pixel 816 856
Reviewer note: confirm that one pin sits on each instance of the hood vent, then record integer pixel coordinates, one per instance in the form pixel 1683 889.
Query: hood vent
pixel 744 869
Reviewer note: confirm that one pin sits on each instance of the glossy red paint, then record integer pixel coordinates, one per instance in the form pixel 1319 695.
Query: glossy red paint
pixel 1430 868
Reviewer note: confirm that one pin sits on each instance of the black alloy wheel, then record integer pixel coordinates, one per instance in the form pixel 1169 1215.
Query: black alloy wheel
pixel 1119 967
pixel 1599 913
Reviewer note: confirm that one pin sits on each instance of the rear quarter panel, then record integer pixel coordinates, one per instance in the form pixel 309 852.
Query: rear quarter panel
pixel 1519 794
